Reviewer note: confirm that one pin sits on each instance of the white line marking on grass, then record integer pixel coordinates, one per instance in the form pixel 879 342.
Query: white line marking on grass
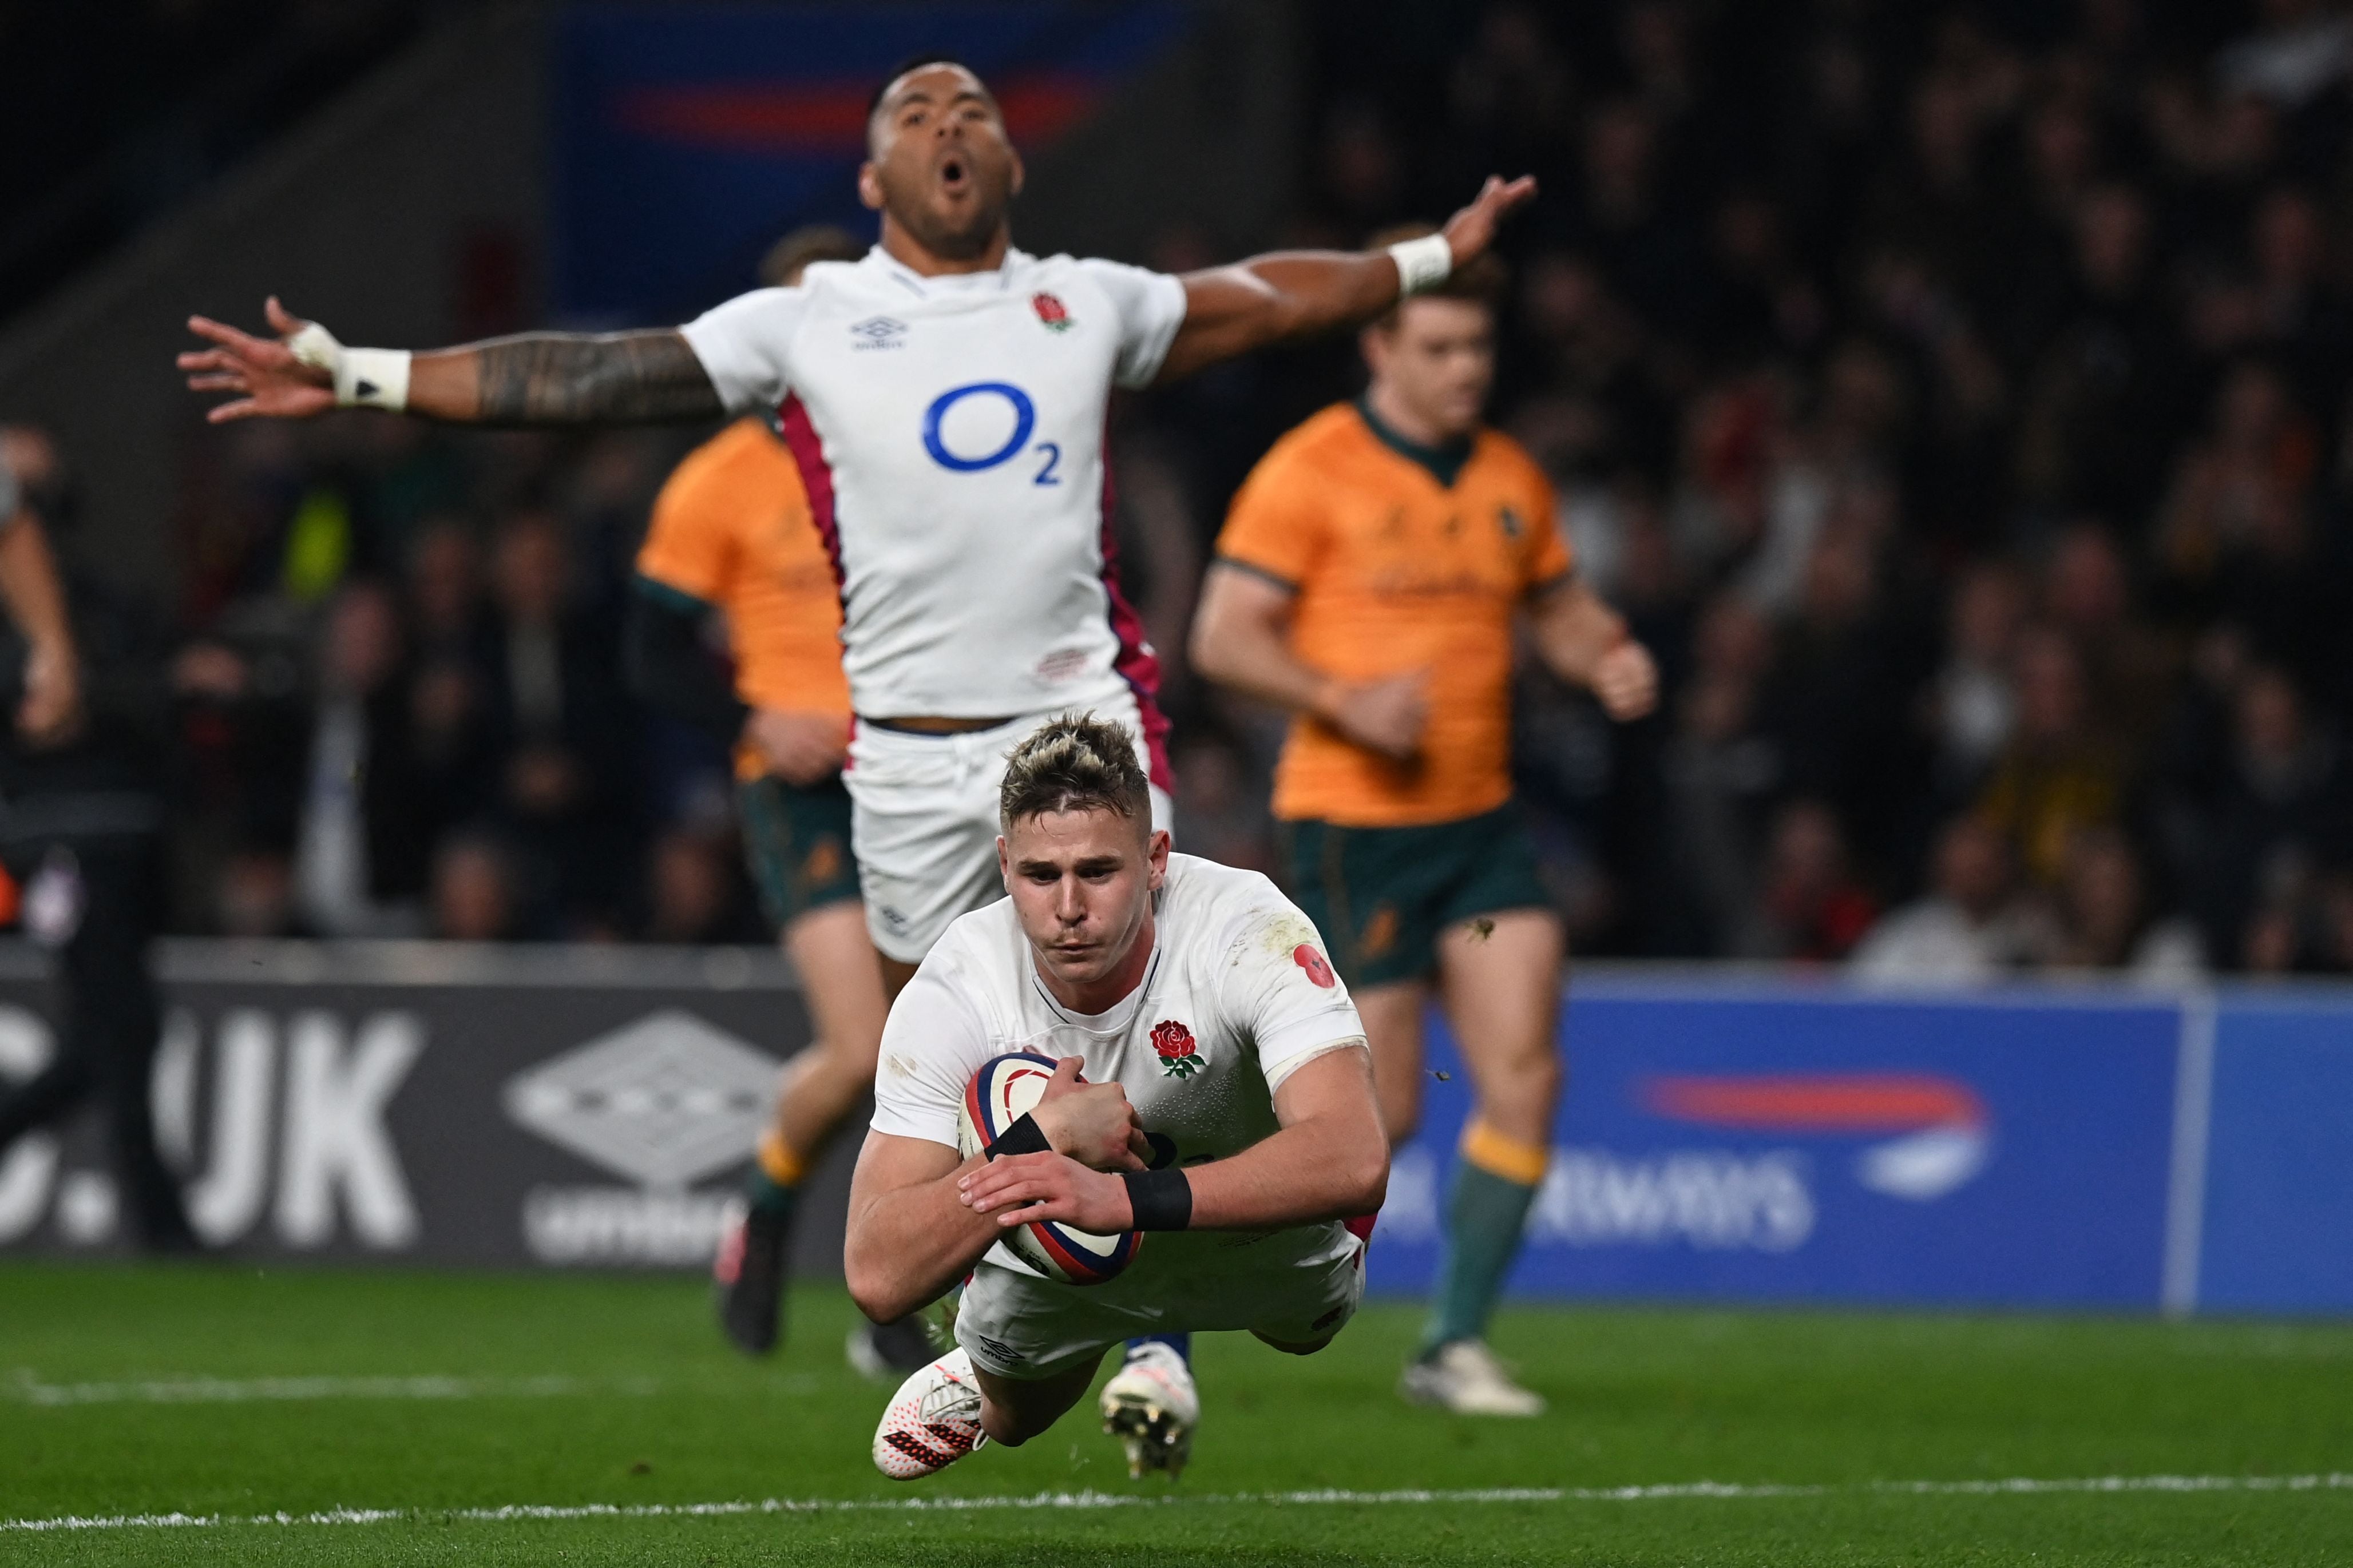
pixel 26 1385
pixel 1669 1491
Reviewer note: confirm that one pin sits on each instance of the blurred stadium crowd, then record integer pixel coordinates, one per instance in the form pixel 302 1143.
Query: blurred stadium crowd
pixel 1953 397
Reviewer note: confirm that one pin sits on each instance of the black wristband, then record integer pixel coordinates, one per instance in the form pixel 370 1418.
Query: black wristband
pixel 1022 1138
pixel 1163 1200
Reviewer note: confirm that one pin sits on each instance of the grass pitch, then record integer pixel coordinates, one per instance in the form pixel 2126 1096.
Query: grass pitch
pixel 427 1418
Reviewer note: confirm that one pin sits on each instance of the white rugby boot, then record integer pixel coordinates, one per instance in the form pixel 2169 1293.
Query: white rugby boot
pixel 931 1422
pixel 1465 1377
pixel 1151 1406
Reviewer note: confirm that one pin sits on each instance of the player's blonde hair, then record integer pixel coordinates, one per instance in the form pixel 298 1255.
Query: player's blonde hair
pixel 1076 762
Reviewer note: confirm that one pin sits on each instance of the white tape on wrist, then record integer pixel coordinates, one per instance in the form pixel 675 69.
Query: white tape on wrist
pixel 1422 263
pixel 364 378
pixel 316 347
pixel 372 378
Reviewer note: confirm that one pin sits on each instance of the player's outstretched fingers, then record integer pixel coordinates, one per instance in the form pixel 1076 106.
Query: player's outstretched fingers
pixel 229 337
pixel 273 380
pixel 1472 230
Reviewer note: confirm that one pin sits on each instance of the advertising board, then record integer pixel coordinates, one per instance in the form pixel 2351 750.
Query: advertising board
pixel 1724 1137
pixel 1797 1143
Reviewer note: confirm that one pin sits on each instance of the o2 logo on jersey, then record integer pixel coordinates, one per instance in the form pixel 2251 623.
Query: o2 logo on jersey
pixel 1024 421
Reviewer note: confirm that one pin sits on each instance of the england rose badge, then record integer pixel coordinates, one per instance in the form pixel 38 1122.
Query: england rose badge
pixel 1173 1043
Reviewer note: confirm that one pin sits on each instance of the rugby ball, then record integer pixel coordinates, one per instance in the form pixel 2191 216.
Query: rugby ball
pixel 1004 1090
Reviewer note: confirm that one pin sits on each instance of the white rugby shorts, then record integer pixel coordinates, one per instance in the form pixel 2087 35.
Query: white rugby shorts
pixel 923 822
pixel 1019 1325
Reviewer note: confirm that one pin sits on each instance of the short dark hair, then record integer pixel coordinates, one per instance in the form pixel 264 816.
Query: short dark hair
pixel 1482 280
pixel 1074 762
pixel 810 242
pixel 915 61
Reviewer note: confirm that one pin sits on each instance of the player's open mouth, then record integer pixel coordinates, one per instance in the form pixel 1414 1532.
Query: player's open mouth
pixel 952 173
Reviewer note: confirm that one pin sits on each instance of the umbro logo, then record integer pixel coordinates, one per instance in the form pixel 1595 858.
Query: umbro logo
pixel 877 332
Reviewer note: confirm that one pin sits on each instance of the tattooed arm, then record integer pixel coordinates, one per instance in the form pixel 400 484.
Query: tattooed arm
pixel 557 378
pixel 540 378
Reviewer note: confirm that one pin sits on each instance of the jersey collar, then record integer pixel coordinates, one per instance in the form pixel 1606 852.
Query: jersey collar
pixel 912 282
pixel 1115 1018
pixel 1443 464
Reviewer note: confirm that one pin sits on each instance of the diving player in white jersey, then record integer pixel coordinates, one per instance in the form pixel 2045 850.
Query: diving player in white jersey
pixel 1217 1044
pixel 947 397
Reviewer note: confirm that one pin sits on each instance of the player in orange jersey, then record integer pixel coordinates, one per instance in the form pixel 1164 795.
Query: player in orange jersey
pixel 1370 578
pixel 732 533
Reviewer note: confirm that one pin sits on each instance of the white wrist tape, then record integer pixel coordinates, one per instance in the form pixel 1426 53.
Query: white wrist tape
pixel 1421 263
pixel 365 378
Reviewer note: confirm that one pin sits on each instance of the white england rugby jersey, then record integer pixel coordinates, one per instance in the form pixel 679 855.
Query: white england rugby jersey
pixel 1238 994
pixel 950 431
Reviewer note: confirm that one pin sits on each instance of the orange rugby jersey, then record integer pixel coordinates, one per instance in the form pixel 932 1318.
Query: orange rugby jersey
pixel 732 528
pixel 1396 572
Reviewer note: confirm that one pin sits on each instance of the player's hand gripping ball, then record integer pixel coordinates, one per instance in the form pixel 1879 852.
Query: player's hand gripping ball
pixel 1004 1090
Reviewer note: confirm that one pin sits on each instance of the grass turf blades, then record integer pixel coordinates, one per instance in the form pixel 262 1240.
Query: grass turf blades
pixel 439 1399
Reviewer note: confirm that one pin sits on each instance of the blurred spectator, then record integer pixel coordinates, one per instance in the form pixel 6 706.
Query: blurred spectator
pixel 255 896
pixel 1720 770
pixel 1972 705
pixel 2245 486
pixel 474 891
pixel 691 888
pixel 1837 698
pixel 364 823
pixel 2105 920
pixel 2333 937
pixel 1810 907
pixel 2302 48
pixel 1970 927
pixel 448 702
pixel 2281 809
pixel 562 768
pixel 2060 770
pixel 2086 593
pixel 2105 374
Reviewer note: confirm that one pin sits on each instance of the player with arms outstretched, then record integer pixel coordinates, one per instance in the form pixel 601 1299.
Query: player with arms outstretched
pixel 1218 1047
pixel 1370 577
pixel 945 399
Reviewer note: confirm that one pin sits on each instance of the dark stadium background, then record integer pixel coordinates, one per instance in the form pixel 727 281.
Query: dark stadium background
pixel 1953 395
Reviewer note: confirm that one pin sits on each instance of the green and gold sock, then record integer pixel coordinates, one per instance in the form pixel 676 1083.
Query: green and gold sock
pixel 775 1179
pixel 1485 1219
